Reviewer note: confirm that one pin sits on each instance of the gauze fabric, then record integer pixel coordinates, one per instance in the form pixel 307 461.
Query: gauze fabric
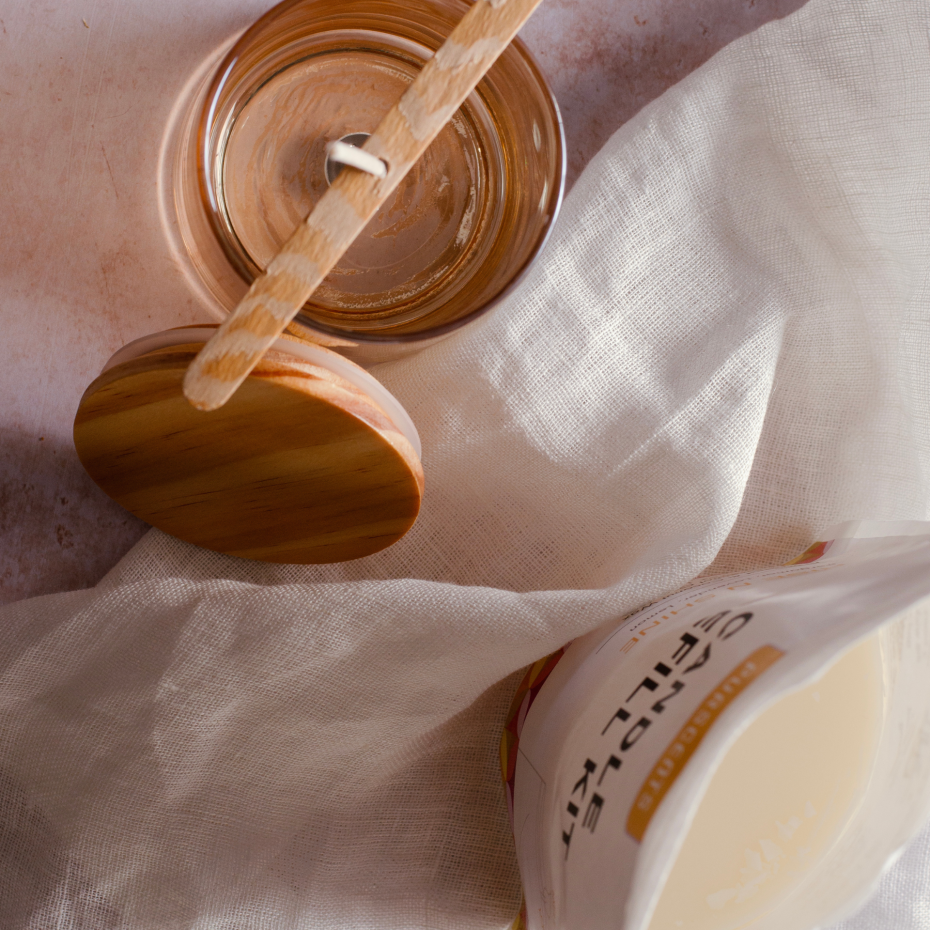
pixel 723 350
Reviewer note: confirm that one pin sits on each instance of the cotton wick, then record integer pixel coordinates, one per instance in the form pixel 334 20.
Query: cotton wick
pixel 344 153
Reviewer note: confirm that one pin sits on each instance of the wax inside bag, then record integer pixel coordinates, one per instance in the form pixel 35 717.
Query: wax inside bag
pixel 779 800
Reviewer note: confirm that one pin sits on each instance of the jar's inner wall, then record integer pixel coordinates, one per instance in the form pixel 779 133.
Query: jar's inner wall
pixel 458 230
pixel 436 227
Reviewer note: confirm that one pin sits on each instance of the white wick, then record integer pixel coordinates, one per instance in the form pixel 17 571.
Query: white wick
pixel 346 154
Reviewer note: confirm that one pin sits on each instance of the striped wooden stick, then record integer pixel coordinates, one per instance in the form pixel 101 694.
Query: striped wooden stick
pixel 275 298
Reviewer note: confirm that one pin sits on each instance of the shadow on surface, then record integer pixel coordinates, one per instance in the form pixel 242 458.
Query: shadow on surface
pixel 60 532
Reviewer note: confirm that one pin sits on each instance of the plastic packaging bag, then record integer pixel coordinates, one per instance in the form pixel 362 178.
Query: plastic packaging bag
pixel 768 730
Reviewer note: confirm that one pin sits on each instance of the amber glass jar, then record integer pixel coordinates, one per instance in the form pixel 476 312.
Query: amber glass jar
pixel 456 235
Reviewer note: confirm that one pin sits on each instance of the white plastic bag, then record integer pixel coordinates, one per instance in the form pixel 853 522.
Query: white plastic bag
pixel 611 746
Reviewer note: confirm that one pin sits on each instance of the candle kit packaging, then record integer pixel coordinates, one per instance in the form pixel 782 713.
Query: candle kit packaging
pixel 752 751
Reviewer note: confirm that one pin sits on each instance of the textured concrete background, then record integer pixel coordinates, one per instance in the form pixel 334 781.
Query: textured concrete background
pixel 87 89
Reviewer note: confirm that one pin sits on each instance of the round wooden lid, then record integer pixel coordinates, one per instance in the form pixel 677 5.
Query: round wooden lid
pixel 300 466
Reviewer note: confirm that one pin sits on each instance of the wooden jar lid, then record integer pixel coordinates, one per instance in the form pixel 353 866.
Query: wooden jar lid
pixel 300 466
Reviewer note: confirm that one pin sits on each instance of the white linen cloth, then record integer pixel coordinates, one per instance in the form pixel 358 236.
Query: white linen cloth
pixel 723 351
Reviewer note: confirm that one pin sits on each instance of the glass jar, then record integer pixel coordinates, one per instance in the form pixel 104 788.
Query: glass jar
pixel 455 236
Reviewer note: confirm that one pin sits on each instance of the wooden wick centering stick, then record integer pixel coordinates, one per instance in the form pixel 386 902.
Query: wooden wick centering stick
pixel 275 297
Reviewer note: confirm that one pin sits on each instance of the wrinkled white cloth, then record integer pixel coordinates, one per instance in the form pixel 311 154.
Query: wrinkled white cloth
pixel 723 350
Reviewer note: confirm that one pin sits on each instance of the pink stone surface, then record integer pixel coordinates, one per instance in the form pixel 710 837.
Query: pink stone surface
pixel 606 59
pixel 86 93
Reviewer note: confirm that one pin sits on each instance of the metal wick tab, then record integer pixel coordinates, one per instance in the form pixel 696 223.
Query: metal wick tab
pixel 348 151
